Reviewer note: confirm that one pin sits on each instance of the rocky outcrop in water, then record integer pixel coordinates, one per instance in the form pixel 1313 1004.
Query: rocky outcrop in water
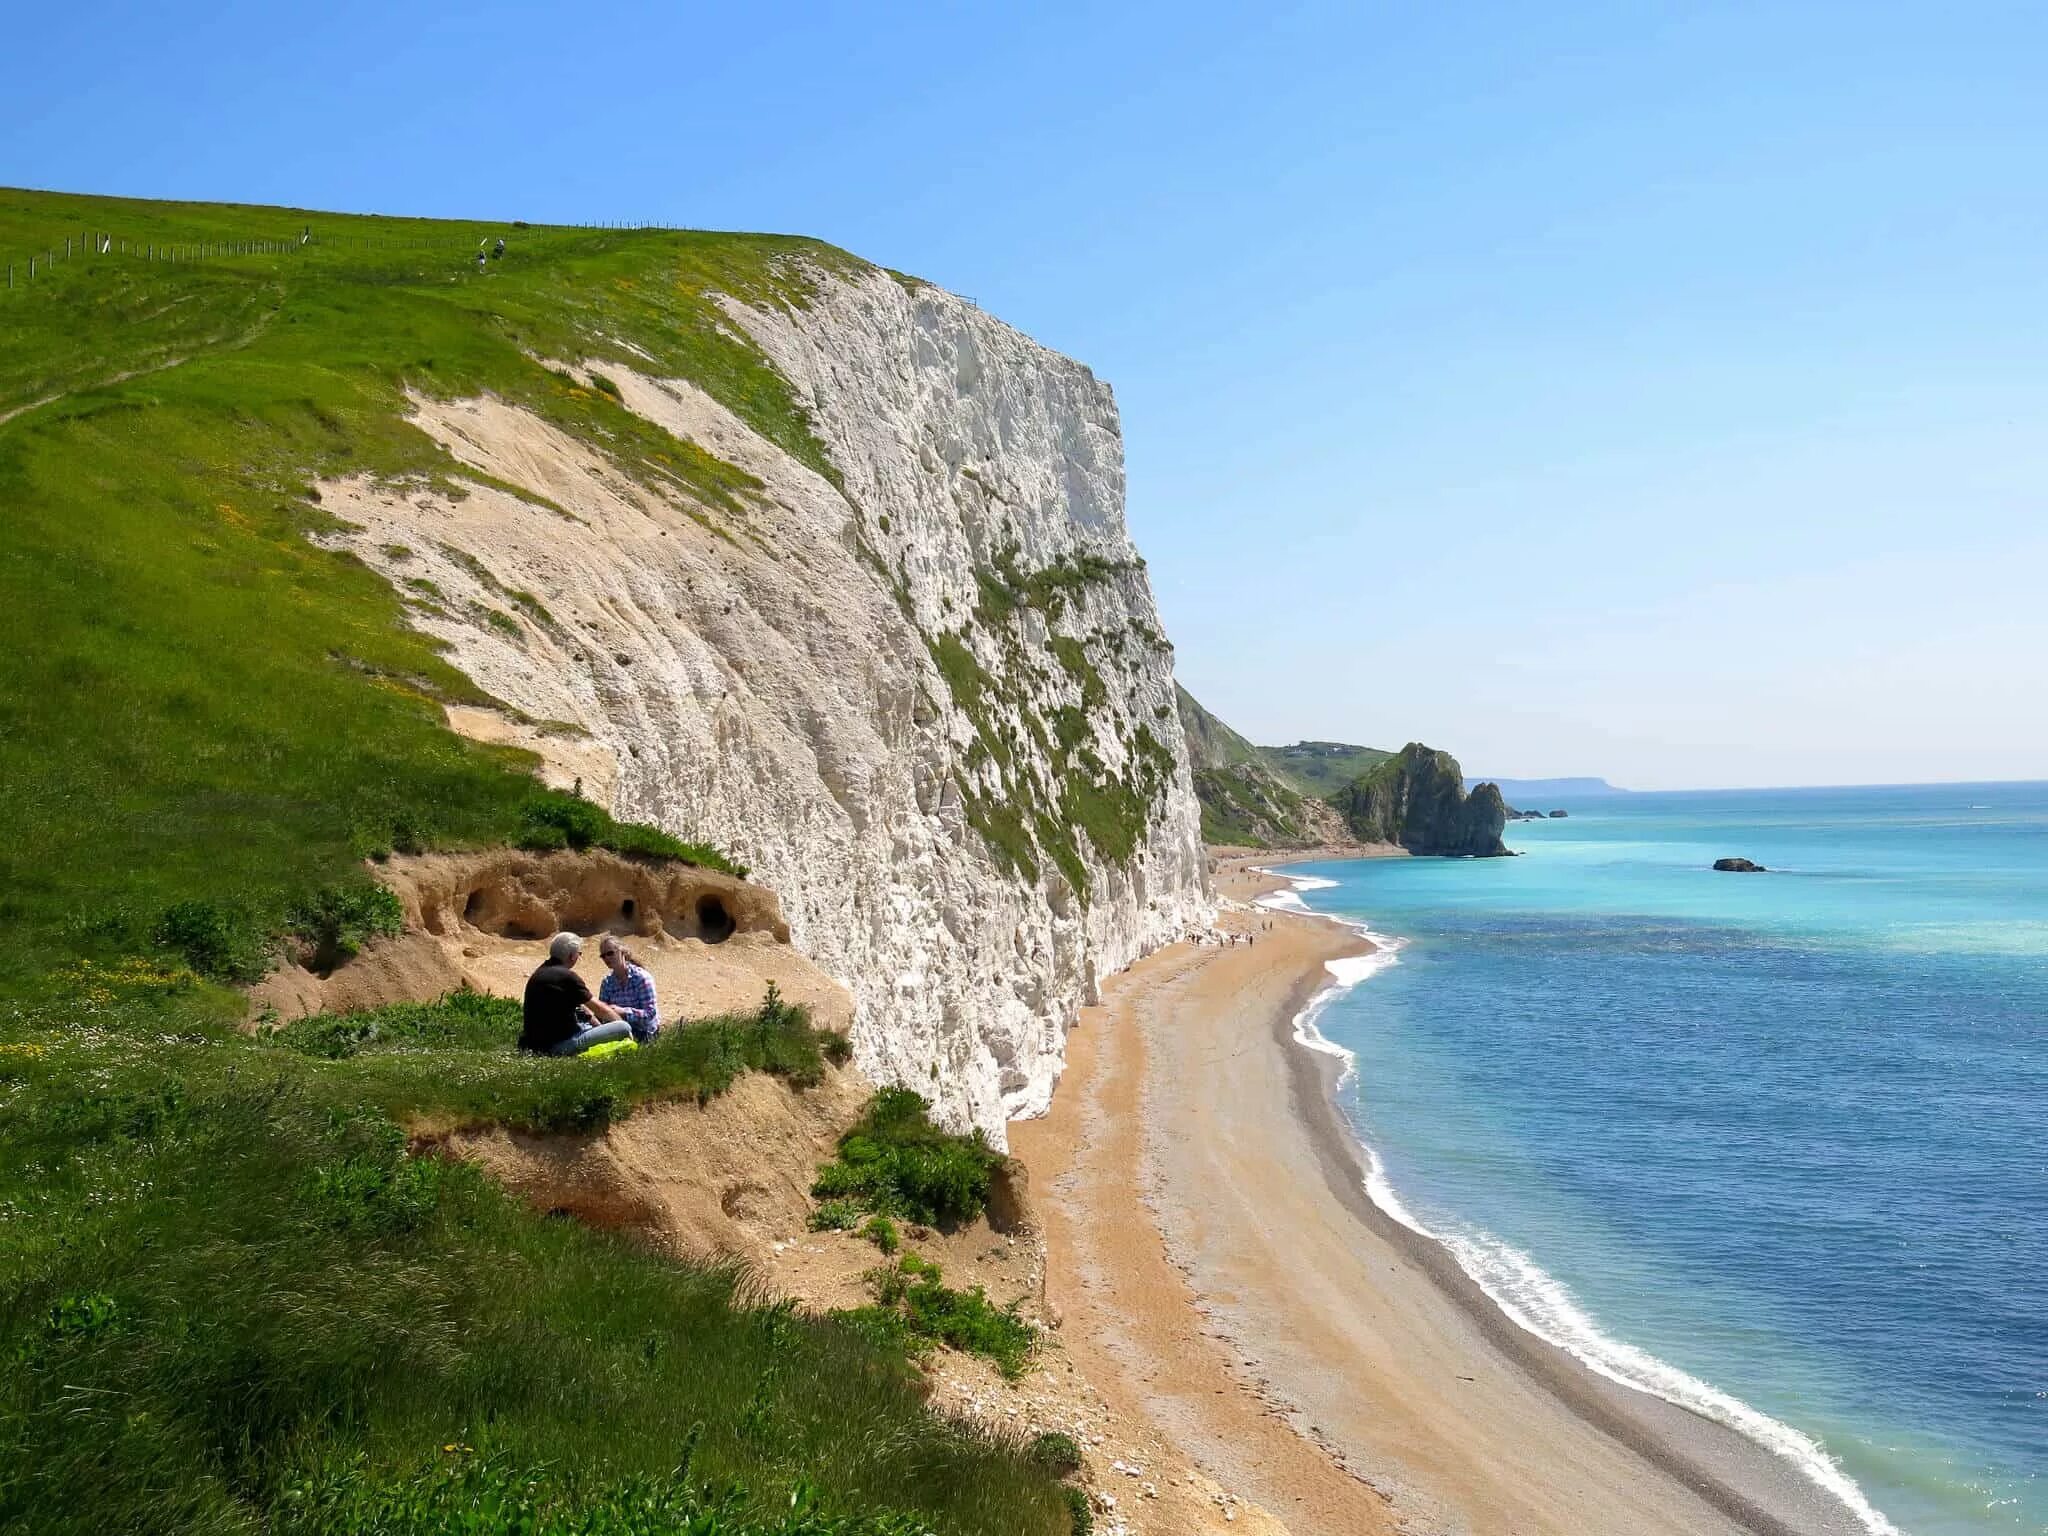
pixel 1417 798
pixel 1739 867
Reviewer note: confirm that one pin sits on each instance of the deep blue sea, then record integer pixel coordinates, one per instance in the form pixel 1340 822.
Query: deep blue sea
pixel 1773 1145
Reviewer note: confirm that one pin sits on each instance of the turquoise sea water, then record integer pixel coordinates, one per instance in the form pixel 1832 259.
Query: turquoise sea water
pixel 1772 1145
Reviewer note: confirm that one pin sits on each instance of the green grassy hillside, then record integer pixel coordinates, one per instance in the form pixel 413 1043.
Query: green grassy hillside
pixel 200 704
pixel 1267 797
pixel 1244 802
pixel 232 1300
pixel 1322 768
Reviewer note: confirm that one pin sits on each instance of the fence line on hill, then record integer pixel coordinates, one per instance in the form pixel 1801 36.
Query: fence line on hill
pixel 99 242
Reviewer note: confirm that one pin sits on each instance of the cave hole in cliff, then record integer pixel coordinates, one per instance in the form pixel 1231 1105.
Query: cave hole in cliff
pixel 627 908
pixel 714 923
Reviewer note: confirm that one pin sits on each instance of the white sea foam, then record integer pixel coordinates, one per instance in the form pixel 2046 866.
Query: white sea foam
pixel 1535 1300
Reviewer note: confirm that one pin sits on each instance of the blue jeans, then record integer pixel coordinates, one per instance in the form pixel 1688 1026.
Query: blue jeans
pixel 592 1034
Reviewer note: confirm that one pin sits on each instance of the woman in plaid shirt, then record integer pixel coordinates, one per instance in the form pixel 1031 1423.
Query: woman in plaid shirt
pixel 629 990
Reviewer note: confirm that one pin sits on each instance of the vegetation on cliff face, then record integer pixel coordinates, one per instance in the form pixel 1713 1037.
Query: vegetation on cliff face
pixel 1245 801
pixel 233 1298
pixel 1417 798
pixel 1021 817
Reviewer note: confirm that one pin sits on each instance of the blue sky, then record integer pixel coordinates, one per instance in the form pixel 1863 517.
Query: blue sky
pixel 1637 390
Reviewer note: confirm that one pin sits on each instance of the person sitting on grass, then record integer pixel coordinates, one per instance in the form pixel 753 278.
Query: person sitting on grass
pixel 628 989
pixel 561 1017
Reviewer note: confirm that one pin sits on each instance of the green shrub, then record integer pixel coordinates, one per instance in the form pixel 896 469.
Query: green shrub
pixel 1082 1512
pixel 835 1216
pixel 1059 1454
pixel 837 1048
pixel 553 818
pixel 969 1321
pixel 895 1162
pixel 600 382
pixel 881 1231
pixel 338 920
pixel 217 942
pixel 885 1328
pixel 935 1313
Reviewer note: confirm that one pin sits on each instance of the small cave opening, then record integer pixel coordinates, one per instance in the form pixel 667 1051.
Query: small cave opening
pixel 472 907
pixel 627 908
pixel 714 923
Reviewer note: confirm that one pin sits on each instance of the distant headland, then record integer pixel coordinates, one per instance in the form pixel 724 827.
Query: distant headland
pixel 1528 791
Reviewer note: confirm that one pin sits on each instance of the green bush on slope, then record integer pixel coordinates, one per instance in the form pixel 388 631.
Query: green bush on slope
pixel 895 1162
pixel 913 1303
pixel 553 819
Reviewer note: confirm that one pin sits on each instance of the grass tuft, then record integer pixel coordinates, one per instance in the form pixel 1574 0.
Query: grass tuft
pixel 895 1162
pixel 456 1062
pixel 913 1291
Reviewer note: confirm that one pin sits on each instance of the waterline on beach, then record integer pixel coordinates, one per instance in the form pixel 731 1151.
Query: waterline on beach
pixel 1530 1297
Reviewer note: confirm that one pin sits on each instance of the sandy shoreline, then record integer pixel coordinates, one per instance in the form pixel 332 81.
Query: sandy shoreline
pixel 1215 1254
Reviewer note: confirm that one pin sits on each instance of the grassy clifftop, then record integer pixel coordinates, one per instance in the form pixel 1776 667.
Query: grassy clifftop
pixel 199 704
pixel 233 1301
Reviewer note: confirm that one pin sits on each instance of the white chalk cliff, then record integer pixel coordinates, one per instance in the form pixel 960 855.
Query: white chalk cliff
pixel 929 704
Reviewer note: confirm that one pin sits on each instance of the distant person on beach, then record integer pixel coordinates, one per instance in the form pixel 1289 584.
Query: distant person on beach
pixel 561 1018
pixel 628 989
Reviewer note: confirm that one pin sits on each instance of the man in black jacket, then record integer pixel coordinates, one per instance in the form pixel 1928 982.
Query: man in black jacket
pixel 561 1016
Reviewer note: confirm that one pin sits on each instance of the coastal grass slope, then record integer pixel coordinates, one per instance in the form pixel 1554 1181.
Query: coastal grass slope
pixel 1245 802
pixel 200 704
pixel 234 1300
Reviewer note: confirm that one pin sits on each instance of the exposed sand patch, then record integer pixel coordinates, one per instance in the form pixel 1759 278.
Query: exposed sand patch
pixel 729 1179
pixel 713 943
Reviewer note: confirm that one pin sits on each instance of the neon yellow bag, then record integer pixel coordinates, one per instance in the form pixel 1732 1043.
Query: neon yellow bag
pixel 609 1048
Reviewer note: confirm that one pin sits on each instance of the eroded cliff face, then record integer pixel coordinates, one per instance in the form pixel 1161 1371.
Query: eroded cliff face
pixel 923 693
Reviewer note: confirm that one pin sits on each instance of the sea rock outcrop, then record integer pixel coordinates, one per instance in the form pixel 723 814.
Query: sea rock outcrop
pixel 1417 798
pixel 909 671
pixel 1739 867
